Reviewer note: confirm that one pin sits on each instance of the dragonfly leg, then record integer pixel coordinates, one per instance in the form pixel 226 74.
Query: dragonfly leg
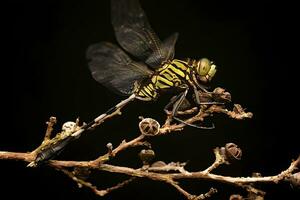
pixel 196 95
pixel 176 102
pixel 176 105
pixel 171 102
pixel 194 125
pixel 179 102
pixel 200 86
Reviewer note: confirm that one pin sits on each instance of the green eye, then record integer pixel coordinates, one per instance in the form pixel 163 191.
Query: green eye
pixel 212 71
pixel 203 67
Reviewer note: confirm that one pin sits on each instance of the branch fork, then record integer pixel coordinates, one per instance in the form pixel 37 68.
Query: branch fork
pixel 170 173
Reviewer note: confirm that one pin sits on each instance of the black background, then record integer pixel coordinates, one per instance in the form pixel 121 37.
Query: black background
pixel 44 72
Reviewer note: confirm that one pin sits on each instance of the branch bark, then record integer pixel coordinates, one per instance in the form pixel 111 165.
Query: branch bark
pixel 170 173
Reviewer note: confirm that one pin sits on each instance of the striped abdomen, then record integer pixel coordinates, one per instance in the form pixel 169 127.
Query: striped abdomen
pixel 171 75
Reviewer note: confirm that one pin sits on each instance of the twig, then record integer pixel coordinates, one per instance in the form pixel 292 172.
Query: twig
pixel 27 157
pixel 89 185
pixel 169 177
pixel 168 173
pixel 175 176
pixel 119 185
pixel 241 180
pixel 203 113
pixel 172 166
pixel 79 181
pixel 124 145
pixel 193 197
pixel 181 190
pixel 218 161
pixel 252 190
pixel 208 194
pixel 52 121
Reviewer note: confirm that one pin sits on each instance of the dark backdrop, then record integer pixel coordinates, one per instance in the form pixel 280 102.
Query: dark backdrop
pixel 44 72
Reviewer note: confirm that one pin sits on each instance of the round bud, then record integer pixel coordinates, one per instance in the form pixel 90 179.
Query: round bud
pixel 146 155
pixel 68 127
pixel 149 127
pixel 109 147
pixel 233 152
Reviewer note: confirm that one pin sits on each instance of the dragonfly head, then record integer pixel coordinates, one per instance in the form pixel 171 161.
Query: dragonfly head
pixel 205 69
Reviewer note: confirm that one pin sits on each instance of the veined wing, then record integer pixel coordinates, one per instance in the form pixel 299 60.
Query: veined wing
pixel 168 50
pixel 135 35
pixel 113 68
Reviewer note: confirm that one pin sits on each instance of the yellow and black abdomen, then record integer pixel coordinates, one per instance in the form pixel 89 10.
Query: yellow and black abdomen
pixel 173 74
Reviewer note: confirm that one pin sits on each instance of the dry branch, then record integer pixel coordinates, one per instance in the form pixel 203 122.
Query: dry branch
pixel 170 173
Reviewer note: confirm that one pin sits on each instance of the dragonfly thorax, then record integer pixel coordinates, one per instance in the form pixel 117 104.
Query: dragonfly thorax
pixel 175 74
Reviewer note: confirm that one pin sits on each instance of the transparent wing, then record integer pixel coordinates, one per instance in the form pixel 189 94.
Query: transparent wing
pixel 135 35
pixel 113 68
pixel 167 50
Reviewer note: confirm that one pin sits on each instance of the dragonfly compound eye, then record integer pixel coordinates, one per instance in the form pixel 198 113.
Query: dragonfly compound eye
pixel 206 70
pixel 203 67
pixel 212 71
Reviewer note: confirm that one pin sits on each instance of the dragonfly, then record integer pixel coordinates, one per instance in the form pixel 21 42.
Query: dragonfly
pixel 142 67
pixel 153 69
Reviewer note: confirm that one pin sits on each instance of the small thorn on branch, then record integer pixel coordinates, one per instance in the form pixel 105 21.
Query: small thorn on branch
pixel 77 122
